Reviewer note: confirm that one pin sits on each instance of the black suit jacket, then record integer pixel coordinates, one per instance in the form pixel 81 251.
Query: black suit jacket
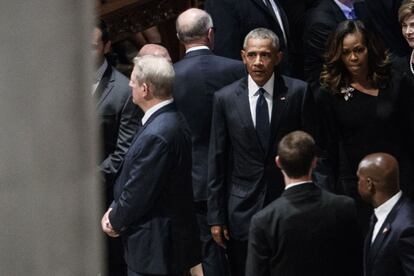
pixel 153 205
pixel 320 23
pixel 383 16
pixel 234 19
pixel 307 231
pixel 242 178
pixel 392 252
pixel 197 77
pixel 118 118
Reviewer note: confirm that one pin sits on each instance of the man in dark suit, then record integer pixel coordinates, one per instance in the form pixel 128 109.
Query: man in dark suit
pixel 234 19
pixel 118 119
pixel 319 24
pixel 250 116
pixel 383 15
pixel 153 208
pixel 389 245
pixel 296 12
pixel 198 75
pixel 306 231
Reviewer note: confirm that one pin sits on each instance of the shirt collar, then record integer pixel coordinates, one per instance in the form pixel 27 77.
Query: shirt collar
pixel 153 109
pixel 254 88
pixel 100 72
pixel 197 48
pixel 345 9
pixel 296 184
pixel 382 211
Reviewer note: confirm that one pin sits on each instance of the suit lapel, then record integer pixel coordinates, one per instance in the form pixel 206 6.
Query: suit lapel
pixel 280 104
pixel 243 109
pixel 384 231
pixel 105 85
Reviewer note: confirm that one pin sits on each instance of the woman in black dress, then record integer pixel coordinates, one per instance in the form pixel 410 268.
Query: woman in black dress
pixel 363 107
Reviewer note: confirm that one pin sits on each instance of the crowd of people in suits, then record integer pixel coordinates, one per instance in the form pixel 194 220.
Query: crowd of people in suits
pixel 278 144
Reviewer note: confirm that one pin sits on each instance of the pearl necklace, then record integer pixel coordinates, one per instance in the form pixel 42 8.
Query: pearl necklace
pixel 411 62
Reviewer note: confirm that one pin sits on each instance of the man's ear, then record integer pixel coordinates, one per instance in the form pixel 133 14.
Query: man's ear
pixel 277 160
pixel 279 56
pixel 145 89
pixel 314 162
pixel 107 47
pixel 243 56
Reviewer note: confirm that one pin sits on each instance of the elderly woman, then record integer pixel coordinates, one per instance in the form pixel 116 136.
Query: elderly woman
pixel 363 105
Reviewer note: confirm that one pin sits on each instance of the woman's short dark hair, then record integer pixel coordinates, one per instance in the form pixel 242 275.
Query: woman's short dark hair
pixel 334 74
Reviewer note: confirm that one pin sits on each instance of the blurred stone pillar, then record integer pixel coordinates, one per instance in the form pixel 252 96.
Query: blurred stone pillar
pixel 49 218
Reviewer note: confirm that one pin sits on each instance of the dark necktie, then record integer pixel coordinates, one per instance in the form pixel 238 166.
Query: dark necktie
pixel 368 239
pixel 372 223
pixel 262 120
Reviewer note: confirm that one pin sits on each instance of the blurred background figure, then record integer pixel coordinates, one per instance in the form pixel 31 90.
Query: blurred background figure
pixel 383 17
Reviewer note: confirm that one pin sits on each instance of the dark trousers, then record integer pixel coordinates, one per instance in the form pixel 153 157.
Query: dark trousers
pixel 237 251
pixel 214 259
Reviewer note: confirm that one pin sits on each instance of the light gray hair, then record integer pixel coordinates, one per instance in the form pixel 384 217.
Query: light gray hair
pixel 196 25
pixel 157 72
pixel 262 33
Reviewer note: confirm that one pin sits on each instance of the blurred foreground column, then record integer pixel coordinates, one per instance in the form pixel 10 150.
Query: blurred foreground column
pixel 49 218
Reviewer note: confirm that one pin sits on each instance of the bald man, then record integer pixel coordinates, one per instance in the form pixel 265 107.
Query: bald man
pixel 154 50
pixel 389 245
pixel 198 75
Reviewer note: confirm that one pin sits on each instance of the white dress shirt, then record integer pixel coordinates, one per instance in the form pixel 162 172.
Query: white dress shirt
pixel 296 184
pixel 197 48
pixel 382 211
pixel 254 96
pixel 153 109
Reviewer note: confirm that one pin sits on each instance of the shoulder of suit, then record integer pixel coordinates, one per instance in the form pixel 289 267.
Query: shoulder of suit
pixel 339 199
pixel 292 82
pixel 230 89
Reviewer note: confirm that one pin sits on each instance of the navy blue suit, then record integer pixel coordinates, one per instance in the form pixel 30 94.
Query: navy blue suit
pixel 242 177
pixel 197 77
pixel 392 252
pixel 153 205
pixel 118 121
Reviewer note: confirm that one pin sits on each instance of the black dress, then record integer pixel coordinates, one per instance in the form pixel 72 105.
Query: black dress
pixel 357 124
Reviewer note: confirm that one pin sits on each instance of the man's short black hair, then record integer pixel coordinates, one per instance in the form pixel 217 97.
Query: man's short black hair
pixel 296 152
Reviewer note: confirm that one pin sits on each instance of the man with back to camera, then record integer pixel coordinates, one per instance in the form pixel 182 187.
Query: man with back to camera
pixel 306 231
pixel 153 210
pixel 198 76
pixel 250 116
pixel 389 244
